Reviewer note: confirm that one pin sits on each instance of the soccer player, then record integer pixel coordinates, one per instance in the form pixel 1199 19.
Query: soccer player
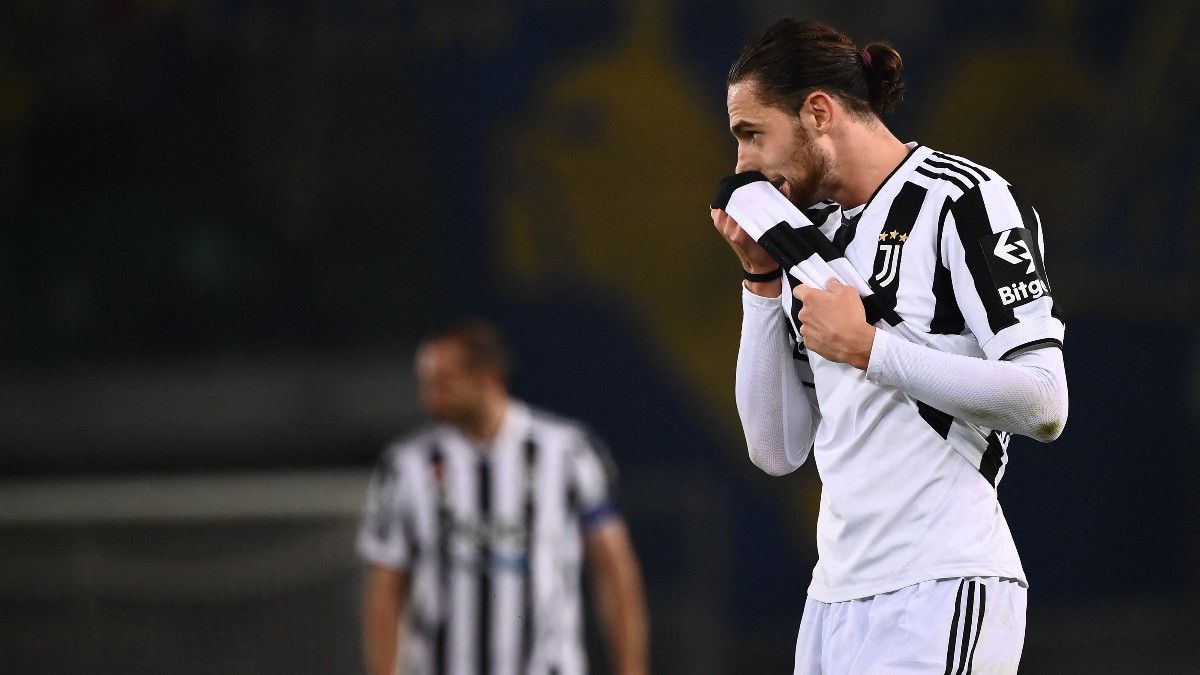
pixel 476 528
pixel 917 570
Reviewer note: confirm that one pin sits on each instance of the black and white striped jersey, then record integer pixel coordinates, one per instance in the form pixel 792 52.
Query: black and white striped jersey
pixel 952 254
pixel 492 539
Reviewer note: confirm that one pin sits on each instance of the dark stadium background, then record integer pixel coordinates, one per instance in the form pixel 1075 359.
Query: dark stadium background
pixel 224 225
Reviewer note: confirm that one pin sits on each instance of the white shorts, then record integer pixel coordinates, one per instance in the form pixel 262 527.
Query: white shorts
pixel 942 627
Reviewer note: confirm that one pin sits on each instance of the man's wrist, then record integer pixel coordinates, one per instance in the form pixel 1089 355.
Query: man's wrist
pixel 769 275
pixel 877 359
pixel 765 289
pixel 862 355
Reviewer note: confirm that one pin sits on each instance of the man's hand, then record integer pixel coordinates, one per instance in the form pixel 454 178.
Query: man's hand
pixel 754 258
pixel 835 323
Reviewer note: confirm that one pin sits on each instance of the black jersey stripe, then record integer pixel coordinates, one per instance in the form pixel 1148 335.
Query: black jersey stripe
pixel 817 215
pixel 437 468
pixel 953 170
pixel 788 246
pixel 818 243
pixel 973 223
pixel 967 621
pixel 978 626
pixel 902 216
pixel 992 459
pixel 876 311
pixel 947 317
pixel 954 626
pixel 845 233
pixel 943 176
pixel 967 166
pixel 530 516
pixel 412 536
pixel 483 608
pixel 573 500
pixel 938 420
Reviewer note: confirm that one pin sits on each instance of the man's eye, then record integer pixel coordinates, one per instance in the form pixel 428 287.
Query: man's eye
pixel 754 135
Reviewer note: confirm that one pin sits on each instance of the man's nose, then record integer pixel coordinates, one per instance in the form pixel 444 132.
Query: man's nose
pixel 745 163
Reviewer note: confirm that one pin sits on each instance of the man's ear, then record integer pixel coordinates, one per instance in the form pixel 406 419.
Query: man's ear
pixel 821 110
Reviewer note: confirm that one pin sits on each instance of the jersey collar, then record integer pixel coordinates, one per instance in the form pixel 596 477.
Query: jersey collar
pixel 916 154
pixel 513 429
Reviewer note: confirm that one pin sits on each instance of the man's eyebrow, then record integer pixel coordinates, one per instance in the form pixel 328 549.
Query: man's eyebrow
pixel 740 127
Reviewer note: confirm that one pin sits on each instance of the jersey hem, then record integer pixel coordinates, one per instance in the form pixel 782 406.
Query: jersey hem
pixel 374 557
pixel 598 516
pixel 821 593
pixel 1022 333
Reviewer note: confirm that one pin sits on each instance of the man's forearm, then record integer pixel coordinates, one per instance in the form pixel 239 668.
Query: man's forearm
pixel 383 606
pixel 621 601
pixel 767 385
pixel 1027 395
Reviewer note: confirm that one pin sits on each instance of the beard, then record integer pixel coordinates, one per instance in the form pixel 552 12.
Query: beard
pixel 816 181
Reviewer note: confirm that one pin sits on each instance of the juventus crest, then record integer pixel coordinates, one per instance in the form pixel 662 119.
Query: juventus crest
pixel 887 259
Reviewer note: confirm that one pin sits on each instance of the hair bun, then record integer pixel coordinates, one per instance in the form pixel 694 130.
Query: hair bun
pixel 885 76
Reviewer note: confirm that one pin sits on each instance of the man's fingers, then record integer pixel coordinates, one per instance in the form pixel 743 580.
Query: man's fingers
pixel 835 285
pixel 803 292
pixel 728 227
pixel 725 223
pixel 722 217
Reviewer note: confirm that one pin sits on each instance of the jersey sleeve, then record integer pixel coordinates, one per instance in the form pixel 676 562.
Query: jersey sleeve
pixel 992 244
pixel 382 539
pixel 773 388
pixel 594 482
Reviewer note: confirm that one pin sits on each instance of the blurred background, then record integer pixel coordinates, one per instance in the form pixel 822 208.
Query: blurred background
pixel 224 226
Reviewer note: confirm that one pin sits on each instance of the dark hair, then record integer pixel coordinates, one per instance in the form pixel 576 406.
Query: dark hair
pixel 794 58
pixel 483 343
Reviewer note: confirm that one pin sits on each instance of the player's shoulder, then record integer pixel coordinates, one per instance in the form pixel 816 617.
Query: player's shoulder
pixel 544 421
pixel 576 440
pixel 572 432
pixel 954 174
pixel 417 442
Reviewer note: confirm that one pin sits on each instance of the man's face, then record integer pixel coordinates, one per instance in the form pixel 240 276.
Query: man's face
pixel 451 391
pixel 777 144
